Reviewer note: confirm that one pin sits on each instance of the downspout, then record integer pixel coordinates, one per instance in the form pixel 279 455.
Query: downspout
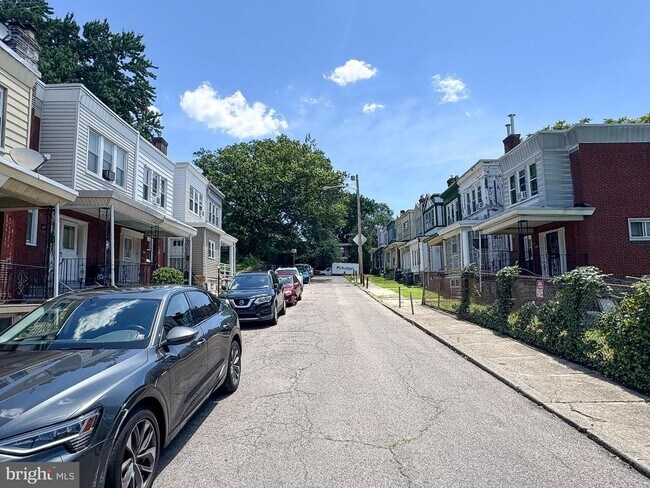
pixel 57 247
pixel 112 245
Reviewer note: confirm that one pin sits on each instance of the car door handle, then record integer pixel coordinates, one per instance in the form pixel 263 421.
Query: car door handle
pixel 200 342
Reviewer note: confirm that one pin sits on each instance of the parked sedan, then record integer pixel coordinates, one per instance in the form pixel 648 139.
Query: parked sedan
pixel 107 378
pixel 291 271
pixel 256 296
pixel 292 289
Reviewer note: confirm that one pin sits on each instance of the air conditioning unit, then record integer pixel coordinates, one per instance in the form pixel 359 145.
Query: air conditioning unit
pixel 108 175
pixel 523 195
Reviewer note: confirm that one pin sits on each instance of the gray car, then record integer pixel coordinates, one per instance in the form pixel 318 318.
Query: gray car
pixel 107 378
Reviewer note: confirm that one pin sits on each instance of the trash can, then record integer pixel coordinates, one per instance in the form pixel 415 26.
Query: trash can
pixel 409 278
pixel 398 275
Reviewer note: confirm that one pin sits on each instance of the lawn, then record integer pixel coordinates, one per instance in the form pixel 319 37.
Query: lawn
pixel 394 285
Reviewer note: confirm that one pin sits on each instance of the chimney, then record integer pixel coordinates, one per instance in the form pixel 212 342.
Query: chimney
pixel 512 140
pixel 161 144
pixel 22 40
pixel 453 179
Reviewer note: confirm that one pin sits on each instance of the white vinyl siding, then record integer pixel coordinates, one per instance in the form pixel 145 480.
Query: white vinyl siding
pixel 3 101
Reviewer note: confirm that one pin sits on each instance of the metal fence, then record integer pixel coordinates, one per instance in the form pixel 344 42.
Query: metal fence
pixel 22 283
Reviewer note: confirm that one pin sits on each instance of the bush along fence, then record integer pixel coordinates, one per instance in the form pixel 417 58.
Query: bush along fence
pixel 583 315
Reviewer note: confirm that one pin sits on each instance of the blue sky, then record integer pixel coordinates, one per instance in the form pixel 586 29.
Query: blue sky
pixel 437 78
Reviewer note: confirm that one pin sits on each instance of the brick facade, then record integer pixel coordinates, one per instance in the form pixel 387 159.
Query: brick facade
pixel 13 238
pixel 613 178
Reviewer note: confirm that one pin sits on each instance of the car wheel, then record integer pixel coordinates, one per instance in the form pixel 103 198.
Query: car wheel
pixel 274 311
pixel 284 307
pixel 135 455
pixel 233 374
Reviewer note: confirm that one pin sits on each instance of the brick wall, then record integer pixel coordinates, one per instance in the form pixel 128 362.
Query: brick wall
pixel 14 247
pixel 613 178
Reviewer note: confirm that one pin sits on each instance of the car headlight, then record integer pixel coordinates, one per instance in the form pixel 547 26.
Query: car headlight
pixel 75 434
pixel 264 299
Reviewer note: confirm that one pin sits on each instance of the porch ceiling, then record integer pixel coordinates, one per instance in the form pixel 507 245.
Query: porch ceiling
pixel 508 223
pixel 129 213
pixel 22 188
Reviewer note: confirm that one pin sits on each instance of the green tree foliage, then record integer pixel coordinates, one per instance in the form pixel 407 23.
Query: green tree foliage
pixel 275 198
pixel 374 215
pixel 564 125
pixel 111 65
pixel 167 276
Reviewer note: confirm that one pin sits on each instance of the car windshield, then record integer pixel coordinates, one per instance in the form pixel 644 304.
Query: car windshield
pixel 303 267
pixel 285 280
pixel 250 281
pixel 84 323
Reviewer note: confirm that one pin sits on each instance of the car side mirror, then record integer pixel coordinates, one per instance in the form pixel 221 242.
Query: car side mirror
pixel 223 288
pixel 179 335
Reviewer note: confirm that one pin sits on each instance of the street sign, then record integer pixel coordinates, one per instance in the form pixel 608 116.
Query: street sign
pixel 356 239
pixel 294 251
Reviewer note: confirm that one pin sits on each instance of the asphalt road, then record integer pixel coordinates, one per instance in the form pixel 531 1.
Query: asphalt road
pixel 342 392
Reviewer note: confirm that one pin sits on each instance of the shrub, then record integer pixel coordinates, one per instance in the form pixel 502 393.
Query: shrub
pixel 627 331
pixel 467 274
pixel 250 263
pixel 167 276
pixel 504 302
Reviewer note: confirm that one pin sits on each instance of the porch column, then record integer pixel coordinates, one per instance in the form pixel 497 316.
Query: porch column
pixel 189 274
pixel 464 248
pixel 57 247
pixel 112 244
pixel 233 260
pixel 480 262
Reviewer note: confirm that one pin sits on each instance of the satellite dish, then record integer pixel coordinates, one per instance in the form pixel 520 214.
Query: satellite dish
pixel 28 158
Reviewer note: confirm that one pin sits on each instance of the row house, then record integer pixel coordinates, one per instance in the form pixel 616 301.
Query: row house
pixel 211 254
pixel 577 197
pixel 84 199
pixel 23 190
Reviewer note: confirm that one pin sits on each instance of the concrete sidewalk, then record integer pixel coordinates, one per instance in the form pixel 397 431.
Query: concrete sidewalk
pixel 614 416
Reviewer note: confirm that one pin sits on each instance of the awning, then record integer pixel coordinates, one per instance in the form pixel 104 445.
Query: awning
pixel 393 245
pixel 22 188
pixel 226 239
pixel 129 213
pixel 433 239
pixel 508 222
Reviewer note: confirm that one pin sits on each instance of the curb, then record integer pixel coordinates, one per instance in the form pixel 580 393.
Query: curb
pixel 644 470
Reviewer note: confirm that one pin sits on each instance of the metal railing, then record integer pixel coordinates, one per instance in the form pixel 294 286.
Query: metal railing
pixel 22 283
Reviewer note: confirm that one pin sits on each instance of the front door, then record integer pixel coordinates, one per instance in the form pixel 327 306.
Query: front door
pixel 552 253
pixel 71 266
pixel 176 254
pixel 129 268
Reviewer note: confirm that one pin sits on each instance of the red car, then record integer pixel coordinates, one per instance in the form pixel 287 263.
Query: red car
pixel 292 288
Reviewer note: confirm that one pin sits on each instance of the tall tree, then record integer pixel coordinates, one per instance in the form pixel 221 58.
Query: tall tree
pixel 113 66
pixel 274 196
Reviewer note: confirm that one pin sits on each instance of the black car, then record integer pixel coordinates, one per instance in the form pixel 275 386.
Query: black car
pixel 107 378
pixel 256 296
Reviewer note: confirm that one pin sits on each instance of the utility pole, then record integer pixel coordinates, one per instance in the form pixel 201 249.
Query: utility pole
pixel 360 236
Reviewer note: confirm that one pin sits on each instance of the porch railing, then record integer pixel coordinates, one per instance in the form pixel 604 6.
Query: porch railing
pixel 77 273
pixel 544 265
pixel 22 283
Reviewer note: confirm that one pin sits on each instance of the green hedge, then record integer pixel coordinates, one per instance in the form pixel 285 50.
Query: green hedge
pixel 167 276
pixel 615 343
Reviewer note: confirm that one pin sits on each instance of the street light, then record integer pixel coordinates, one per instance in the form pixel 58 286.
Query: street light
pixel 359 240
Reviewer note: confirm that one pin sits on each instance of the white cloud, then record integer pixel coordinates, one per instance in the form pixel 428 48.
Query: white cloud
pixel 232 115
pixel 370 108
pixel 154 109
pixel 351 72
pixel 452 88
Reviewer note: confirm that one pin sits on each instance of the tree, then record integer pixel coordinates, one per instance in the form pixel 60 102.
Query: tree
pixel 274 196
pixel 564 125
pixel 111 65
pixel 374 215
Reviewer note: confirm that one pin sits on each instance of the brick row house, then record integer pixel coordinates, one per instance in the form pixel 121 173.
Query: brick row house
pixel 552 202
pixel 104 208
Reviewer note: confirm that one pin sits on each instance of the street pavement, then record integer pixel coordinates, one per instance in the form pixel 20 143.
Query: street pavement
pixel 344 393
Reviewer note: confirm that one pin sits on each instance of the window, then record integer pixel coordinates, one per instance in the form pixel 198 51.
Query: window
pixel 532 174
pixel 112 158
pixel 468 206
pixel 213 213
pixel 32 226
pixel 3 97
pixel 69 240
pixel 178 313
pixel 479 194
pixel 202 306
pixel 109 147
pixel 639 229
pixel 120 167
pixel 146 178
pixel 522 181
pixel 196 201
pixel 513 190
pixel 93 152
pixel 473 200
pixel 212 249
pixel 154 188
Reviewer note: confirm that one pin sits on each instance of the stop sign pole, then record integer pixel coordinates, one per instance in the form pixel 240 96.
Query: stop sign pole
pixel 360 240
